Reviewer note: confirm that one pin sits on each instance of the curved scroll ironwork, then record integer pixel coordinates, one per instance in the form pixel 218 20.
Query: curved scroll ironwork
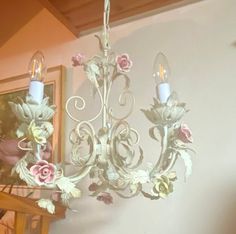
pixel 76 99
pixel 110 155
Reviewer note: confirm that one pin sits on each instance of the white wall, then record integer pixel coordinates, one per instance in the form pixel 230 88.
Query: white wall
pixel 199 41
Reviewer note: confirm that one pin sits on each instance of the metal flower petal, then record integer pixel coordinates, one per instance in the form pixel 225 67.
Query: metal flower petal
pixel 36 133
pixel 163 185
pixel 165 114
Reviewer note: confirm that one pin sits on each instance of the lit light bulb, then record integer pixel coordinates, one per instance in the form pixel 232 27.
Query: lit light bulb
pixel 161 70
pixel 37 71
pixel 37 67
pixel 161 73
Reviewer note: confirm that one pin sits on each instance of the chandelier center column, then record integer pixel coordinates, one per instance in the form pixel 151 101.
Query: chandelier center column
pixel 105 52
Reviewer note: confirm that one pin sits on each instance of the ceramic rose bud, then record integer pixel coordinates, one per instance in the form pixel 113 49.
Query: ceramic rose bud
pixel 78 60
pixel 93 187
pixel 36 134
pixel 106 198
pixel 184 134
pixel 164 186
pixel 123 62
pixel 44 172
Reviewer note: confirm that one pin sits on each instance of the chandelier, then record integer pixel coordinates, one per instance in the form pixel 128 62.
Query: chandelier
pixel 113 158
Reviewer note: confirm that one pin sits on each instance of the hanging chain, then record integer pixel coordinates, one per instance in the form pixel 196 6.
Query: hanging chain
pixel 106 47
pixel 106 27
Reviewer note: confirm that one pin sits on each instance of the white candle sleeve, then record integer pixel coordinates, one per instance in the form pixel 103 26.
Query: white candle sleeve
pixel 163 92
pixel 36 90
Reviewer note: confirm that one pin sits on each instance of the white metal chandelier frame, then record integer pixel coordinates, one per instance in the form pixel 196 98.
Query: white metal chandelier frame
pixel 110 158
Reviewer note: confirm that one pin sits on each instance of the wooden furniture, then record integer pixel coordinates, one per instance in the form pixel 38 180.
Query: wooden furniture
pixel 23 207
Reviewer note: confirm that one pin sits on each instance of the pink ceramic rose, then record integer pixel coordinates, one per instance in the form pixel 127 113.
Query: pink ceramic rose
pixel 44 172
pixel 123 62
pixel 93 187
pixel 106 198
pixel 185 134
pixel 78 60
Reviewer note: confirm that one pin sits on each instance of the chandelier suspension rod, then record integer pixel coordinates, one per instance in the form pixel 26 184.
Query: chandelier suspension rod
pixel 105 52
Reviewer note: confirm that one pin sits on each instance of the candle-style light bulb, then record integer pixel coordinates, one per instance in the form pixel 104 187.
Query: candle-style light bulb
pixel 37 71
pixel 37 67
pixel 161 73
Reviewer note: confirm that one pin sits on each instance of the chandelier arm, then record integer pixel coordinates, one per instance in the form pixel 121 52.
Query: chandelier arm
pixel 150 196
pixel 73 98
pixel 137 135
pixel 80 175
pixel 72 136
pixel 123 138
pixel 102 103
pixel 122 102
pixel 119 187
pixel 114 156
pixel 158 166
pixel 123 97
pixel 105 91
pixel 111 79
pixel 82 107
pixel 23 148
pixel 87 124
pixel 128 196
pixel 121 170
pixel 84 131
pixel 110 86
pixel 170 165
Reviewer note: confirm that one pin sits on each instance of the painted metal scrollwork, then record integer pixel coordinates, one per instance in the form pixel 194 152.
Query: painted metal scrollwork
pixel 111 156
pixel 35 130
pixel 113 149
